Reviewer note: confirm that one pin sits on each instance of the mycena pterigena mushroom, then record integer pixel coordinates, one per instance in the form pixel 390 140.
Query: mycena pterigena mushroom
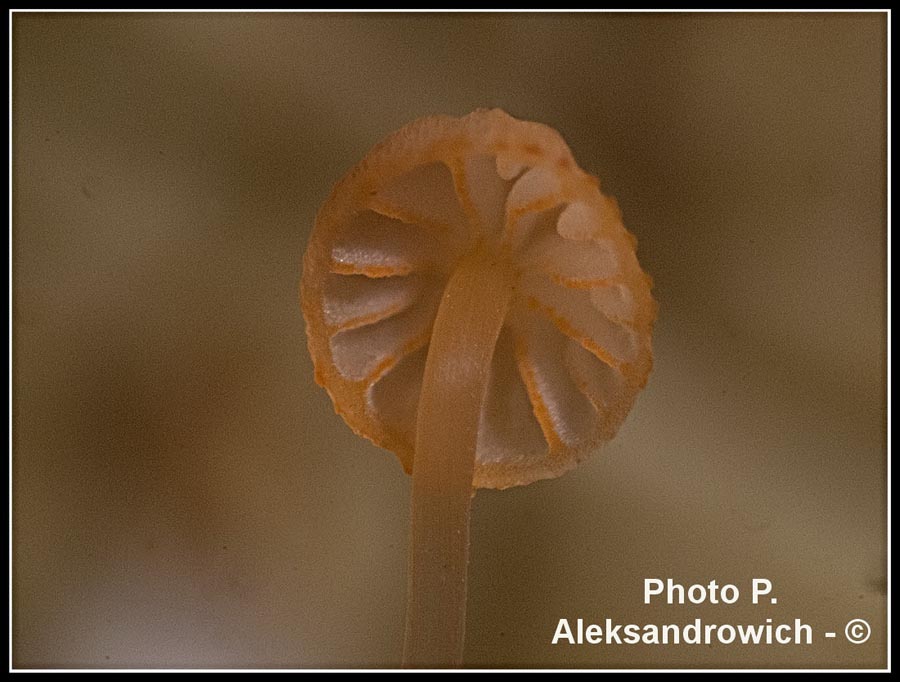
pixel 475 305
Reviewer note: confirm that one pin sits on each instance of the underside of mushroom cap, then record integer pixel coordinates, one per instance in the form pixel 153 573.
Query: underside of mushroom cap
pixel 574 350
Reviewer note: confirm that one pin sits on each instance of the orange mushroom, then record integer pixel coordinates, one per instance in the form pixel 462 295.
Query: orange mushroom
pixel 474 304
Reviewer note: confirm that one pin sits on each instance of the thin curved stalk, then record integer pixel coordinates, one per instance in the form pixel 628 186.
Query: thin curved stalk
pixel 468 322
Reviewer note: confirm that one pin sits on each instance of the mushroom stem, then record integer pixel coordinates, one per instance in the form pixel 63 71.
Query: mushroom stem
pixel 457 370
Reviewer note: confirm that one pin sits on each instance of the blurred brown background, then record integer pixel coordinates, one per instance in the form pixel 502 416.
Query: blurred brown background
pixel 184 494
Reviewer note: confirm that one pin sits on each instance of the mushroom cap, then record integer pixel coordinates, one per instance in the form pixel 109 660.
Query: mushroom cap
pixel 574 350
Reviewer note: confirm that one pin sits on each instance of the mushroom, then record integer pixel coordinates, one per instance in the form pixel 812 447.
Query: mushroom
pixel 475 305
